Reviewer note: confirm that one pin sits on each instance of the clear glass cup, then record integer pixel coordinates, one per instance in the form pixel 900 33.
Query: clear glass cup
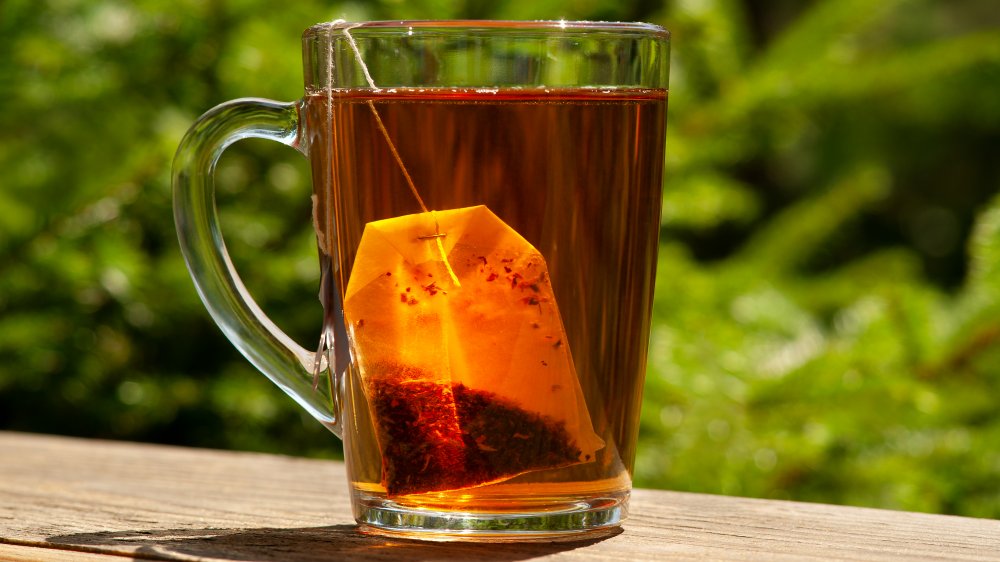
pixel 558 129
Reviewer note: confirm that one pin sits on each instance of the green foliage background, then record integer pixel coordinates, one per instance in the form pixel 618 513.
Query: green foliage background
pixel 828 297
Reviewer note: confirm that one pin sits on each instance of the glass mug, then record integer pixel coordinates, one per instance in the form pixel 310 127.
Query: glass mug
pixel 486 205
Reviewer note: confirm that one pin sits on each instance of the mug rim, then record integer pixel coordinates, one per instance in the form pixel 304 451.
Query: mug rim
pixel 320 30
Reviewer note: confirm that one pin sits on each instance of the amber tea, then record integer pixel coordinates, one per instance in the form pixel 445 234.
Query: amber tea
pixel 504 433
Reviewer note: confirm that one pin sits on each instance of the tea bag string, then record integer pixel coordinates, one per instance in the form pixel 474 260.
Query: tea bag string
pixel 438 235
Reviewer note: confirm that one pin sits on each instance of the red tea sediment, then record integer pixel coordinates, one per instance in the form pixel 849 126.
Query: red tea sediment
pixel 576 173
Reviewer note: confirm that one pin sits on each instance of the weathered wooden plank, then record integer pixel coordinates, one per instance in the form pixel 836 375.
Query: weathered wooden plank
pixel 16 553
pixel 173 503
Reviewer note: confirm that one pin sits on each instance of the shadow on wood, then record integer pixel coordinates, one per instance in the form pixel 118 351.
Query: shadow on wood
pixel 312 544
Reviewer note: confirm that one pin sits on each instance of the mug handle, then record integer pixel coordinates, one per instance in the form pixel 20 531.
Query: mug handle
pixel 286 363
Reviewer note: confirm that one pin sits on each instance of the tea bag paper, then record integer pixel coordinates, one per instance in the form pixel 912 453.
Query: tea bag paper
pixel 463 353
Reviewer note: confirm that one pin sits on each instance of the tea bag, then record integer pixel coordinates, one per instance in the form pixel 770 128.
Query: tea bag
pixel 463 353
pixel 460 345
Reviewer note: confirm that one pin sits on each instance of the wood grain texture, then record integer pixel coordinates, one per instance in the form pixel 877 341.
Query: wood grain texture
pixel 65 499
pixel 17 553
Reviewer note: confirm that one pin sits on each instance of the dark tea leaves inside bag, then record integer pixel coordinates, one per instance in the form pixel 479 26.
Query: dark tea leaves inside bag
pixel 425 449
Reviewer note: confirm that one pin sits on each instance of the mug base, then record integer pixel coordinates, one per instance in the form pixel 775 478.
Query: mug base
pixel 582 520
